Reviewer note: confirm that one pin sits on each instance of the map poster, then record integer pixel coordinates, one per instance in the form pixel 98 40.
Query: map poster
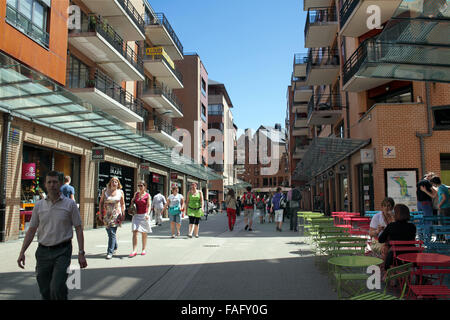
pixel 401 186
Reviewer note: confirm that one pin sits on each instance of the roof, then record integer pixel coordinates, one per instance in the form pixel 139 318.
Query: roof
pixel 222 89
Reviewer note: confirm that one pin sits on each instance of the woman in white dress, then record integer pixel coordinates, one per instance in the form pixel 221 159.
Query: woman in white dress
pixel 141 220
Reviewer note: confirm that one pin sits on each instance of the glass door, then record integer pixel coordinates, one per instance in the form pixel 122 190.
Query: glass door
pixel 366 194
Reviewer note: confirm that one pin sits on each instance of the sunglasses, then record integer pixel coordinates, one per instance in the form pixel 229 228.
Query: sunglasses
pixel 140 185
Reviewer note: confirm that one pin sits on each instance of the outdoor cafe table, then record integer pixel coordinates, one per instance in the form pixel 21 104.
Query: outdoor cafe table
pixel 421 259
pixel 351 262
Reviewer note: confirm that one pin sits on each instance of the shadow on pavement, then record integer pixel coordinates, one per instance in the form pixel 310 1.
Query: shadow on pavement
pixel 273 279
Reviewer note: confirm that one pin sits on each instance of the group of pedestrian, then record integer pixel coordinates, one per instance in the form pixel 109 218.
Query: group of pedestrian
pixel 274 206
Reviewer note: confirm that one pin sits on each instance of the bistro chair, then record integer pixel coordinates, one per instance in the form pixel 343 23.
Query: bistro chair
pixel 400 273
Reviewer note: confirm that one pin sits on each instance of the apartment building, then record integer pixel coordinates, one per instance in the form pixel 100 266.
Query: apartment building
pixel 266 159
pixel 221 138
pixel 379 104
pixel 84 86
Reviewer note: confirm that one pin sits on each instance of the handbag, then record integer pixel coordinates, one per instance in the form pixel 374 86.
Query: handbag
pixel 173 211
pixel 132 210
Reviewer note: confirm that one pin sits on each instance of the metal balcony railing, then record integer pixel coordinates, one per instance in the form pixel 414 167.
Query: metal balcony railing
pixel 158 89
pixel 322 57
pixel 353 64
pixel 323 102
pixel 318 15
pixel 162 125
pixel 25 25
pixel 346 10
pixel 160 19
pixel 157 57
pixel 133 14
pixel 97 24
pixel 300 58
pixel 105 84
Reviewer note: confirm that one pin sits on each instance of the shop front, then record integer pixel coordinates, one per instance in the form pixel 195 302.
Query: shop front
pixel 156 183
pixel 37 161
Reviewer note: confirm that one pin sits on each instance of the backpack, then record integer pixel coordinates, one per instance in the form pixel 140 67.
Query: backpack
pixel 283 202
pixel 260 204
pixel 296 195
pixel 248 199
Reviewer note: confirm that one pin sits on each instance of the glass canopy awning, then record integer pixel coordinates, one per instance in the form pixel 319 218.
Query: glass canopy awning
pixel 239 185
pixel 29 95
pixel 324 153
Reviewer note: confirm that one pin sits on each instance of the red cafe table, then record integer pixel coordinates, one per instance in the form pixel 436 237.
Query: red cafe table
pixel 421 259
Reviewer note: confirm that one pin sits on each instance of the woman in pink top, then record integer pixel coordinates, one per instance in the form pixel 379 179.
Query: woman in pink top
pixel 141 220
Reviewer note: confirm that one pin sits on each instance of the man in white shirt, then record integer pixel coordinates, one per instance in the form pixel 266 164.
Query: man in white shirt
pixel 54 219
pixel 159 201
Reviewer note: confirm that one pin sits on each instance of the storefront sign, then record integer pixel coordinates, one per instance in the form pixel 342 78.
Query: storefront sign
pixel 144 168
pixel 401 186
pixel 155 178
pixel 28 171
pixel 367 156
pixel 98 154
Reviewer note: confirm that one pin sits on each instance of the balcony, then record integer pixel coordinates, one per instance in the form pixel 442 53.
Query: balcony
pixel 375 63
pixel 163 100
pixel 300 132
pixel 323 67
pixel 300 108
pixel 301 123
pixel 102 92
pixel 159 64
pixel 162 130
pixel 121 15
pixel 302 93
pixel 159 31
pixel 100 43
pixel 325 109
pixel 353 15
pixel 300 61
pixel 321 27
pixel 308 4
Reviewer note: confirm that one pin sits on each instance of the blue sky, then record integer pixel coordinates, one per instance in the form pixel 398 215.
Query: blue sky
pixel 248 45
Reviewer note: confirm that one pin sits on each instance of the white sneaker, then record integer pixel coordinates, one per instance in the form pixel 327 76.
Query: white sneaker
pixel 108 256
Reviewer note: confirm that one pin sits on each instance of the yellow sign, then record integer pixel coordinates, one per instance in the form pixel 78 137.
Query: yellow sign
pixel 159 51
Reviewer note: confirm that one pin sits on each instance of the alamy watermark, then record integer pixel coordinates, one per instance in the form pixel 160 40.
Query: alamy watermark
pixel 74 278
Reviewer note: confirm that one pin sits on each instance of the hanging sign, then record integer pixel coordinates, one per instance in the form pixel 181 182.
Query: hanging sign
pixel 28 171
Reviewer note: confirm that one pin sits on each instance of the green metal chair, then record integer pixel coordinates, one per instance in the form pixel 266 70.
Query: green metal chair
pixel 397 273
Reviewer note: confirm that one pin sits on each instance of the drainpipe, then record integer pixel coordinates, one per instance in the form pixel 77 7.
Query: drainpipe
pixel 349 174
pixel 4 173
pixel 422 136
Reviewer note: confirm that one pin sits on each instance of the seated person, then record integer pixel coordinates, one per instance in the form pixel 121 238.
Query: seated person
pixel 400 230
pixel 378 224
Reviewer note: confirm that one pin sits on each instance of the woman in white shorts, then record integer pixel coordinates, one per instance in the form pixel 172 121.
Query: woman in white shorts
pixel 175 206
pixel 141 220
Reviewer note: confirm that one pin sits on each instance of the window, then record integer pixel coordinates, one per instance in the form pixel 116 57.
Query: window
pixel 203 87
pixel 203 113
pixel 215 109
pixel 30 17
pixel 77 73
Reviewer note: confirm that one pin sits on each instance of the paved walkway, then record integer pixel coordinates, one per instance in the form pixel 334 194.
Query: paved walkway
pixel 262 264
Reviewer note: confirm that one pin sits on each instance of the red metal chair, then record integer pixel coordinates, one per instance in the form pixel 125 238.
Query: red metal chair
pixel 430 290
pixel 399 247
